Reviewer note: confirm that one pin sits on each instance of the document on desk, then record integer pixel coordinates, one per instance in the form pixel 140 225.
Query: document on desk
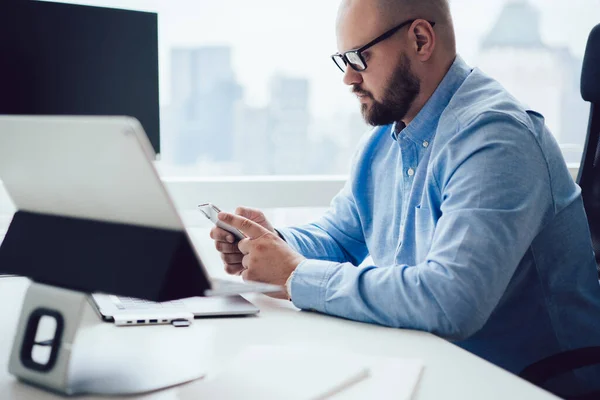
pixel 390 378
pixel 304 373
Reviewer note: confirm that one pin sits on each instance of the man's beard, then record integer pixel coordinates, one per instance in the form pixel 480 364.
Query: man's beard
pixel 399 96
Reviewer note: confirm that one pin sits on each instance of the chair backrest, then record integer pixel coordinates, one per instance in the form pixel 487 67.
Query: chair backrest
pixel 589 172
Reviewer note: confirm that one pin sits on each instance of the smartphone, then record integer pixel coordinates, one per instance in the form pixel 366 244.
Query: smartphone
pixel 211 212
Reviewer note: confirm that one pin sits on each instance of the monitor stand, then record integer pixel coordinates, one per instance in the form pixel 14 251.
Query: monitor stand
pixel 61 345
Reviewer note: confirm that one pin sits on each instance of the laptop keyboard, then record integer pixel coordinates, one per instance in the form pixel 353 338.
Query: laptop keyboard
pixel 131 303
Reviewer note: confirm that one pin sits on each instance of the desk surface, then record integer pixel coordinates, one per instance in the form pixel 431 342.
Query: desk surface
pixel 450 372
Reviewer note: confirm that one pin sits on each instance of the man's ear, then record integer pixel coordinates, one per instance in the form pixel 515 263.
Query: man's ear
pixel 423 39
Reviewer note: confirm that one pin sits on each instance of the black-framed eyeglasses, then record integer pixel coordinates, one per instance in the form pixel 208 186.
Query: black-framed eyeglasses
pixel 355 59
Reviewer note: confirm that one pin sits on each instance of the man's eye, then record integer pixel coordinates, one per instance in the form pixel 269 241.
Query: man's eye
pixel 366 55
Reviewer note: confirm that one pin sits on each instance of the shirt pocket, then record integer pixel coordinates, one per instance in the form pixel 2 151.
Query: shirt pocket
pixel 424 227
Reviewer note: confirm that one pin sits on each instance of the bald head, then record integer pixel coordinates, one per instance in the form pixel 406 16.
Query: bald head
pixel 438 10
pixel 392 12
pixel 432 10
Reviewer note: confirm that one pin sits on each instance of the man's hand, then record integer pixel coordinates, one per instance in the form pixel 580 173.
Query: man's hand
pixel 266 257
pixel 225 242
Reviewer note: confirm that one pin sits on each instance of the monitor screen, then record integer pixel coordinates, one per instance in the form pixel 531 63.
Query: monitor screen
pixel 66 59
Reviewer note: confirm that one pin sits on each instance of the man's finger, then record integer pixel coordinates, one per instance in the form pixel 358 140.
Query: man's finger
pixel 221 235
pixel 227 248
pixel 244 274
pixel 244 246
pixel 244 212
pixel 250 213
pixel 234 269
pixel 249 228
pixel 246 262
pixel 232 258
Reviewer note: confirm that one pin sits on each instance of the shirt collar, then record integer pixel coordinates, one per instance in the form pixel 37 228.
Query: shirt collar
pixel 423 127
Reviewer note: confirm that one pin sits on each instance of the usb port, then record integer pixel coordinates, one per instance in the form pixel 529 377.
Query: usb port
pixel 141 321
pixel 153 321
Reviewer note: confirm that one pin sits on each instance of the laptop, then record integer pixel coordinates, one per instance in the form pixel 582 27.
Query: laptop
pixel 101 168
pixel 127 311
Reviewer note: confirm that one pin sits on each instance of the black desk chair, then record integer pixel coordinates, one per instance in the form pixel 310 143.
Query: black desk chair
pixel 589 180
pixel 589 171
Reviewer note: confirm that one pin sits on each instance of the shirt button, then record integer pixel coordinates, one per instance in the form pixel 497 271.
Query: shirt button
pixel 410 172
pixel 426 144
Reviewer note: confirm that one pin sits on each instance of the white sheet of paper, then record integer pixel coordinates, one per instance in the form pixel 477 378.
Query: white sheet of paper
pixel 390 378
pixel 303 373
pixel 280 372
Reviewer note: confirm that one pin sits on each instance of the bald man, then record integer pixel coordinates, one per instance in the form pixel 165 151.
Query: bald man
pixel 460 195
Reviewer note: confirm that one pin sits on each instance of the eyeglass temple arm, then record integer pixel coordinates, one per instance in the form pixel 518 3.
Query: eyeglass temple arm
pixel 388 34
pixel 375 41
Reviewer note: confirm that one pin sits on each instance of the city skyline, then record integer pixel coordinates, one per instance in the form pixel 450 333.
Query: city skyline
pixel 218 62
pixel 263 32
pixel 284 136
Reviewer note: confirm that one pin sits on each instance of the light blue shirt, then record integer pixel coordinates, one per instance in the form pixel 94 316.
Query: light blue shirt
pixel 476 231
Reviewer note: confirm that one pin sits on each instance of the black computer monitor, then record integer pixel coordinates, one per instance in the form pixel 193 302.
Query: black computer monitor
pixel 66 59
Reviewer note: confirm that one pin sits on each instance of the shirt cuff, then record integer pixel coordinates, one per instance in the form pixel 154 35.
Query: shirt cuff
pixel 309 282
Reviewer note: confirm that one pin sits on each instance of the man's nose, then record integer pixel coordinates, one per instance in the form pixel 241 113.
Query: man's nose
pixel 352 77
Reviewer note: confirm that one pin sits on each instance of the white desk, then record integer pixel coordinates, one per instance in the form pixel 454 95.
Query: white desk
pixel 450 372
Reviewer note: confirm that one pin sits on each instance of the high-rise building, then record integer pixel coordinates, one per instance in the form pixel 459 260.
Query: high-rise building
pixel 542 77
pixel 289 118
pixel 252 142
pixel 274 139
pixel 204 97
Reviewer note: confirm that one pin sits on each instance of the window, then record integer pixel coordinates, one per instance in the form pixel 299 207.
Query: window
pixel 248 88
